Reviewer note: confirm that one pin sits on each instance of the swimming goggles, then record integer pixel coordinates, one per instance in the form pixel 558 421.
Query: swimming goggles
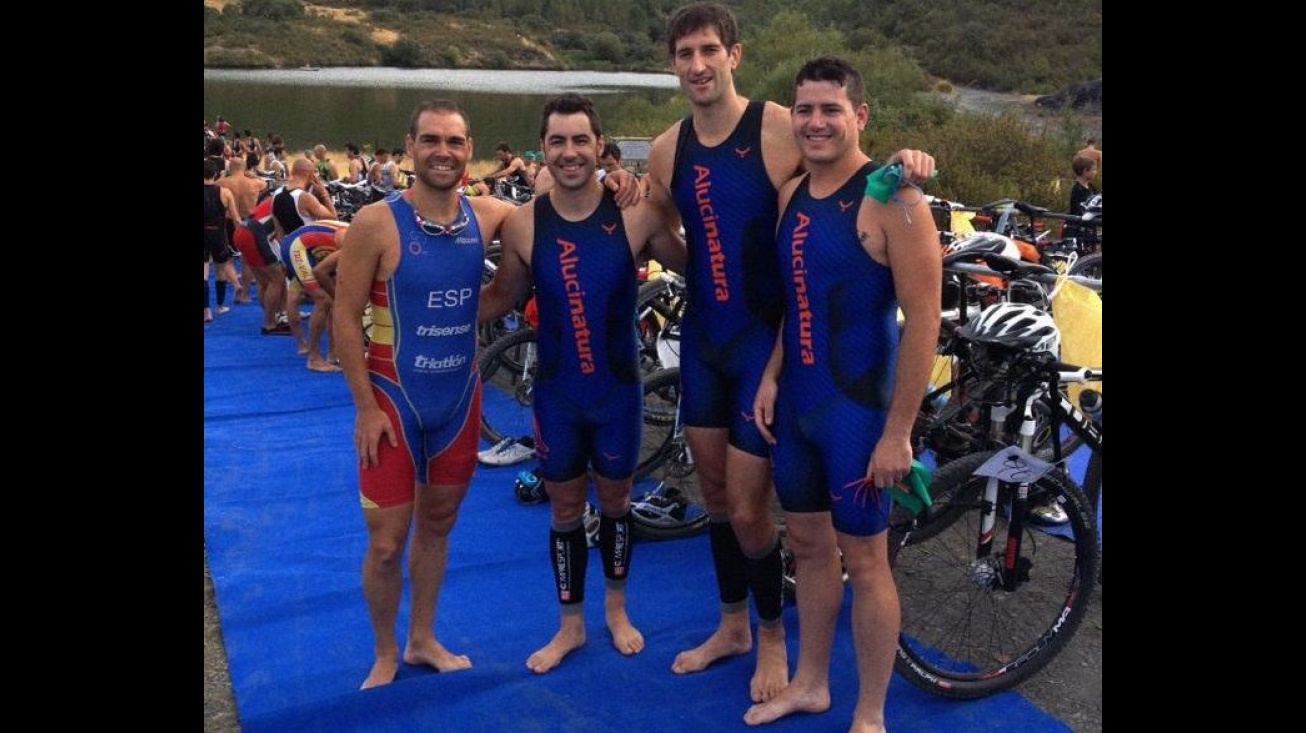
pixel 435 229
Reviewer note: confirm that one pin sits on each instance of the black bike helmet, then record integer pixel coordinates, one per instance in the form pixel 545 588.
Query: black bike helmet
pixel 1017 325
pixel 529 487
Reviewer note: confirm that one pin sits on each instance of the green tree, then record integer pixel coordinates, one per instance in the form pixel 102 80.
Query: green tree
pixel 607 46
pixel 405 53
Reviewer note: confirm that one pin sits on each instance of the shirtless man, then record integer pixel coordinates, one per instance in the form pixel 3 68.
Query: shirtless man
pixel 718 171
pixel 245 186
pixel 582 253
pixel 420 254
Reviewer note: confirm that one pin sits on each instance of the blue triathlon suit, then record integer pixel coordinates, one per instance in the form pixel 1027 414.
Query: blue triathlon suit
pixel 840 352
pixel 588 393
pixel 728 207
pixel 422 360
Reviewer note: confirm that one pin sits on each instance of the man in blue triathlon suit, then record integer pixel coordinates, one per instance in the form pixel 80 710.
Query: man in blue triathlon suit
pixel 718 171
pixel 582 253
pixel 417 257
pixel 849 386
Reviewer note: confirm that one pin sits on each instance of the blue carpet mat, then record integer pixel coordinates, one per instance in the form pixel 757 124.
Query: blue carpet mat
pixel 285 541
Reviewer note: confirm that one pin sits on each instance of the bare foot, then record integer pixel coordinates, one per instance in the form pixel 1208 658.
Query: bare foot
pixel 790 700
pixel 323 366
pixel 302 349
pixel 383 672
pixel 866 727
pixel 625 637
pixel 550 655
pixel 208 315
pixel 722 643
pixel 433 654
pixel 772 674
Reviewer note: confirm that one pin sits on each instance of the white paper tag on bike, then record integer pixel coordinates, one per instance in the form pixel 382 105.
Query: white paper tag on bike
pixel 1013 465
pixel 668 350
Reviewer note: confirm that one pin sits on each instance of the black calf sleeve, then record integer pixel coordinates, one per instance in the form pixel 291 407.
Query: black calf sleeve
pixel 766 579
pixel 222 291
pixel 570 555
pixel 615 545
pixel 728 560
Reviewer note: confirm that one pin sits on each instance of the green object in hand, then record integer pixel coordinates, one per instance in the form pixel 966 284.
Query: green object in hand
pixel 883 181
pixel 917 482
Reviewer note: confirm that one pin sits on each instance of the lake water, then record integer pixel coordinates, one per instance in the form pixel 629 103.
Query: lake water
pixel 371 105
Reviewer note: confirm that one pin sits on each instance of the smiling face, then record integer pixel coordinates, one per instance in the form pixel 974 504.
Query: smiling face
pixel 705 66
pixel 826 126
pixel 571 149
pixel 440 149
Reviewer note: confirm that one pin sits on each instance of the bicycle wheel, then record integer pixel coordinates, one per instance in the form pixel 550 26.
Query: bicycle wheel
pixel 663 454
pixel 493 329
pixel 790 572
pixel 963 635
pixel 1089 265
pixel 507 370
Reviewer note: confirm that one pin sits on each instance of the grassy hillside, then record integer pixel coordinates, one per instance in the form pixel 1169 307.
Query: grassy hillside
pixel 1031 46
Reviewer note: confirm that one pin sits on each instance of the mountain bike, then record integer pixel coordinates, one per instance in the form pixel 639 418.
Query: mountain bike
pixel 988 595
pixel 952 420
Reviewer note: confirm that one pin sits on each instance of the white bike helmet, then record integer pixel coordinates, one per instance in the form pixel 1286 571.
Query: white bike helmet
pixel 1017 325
pixel 979 244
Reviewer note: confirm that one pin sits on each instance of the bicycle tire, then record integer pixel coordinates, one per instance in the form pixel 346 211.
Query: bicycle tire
pixel 789 573
pixel 501 367
pixel 1090 265
pixel 659 443
pixel 1093 491
pixel 963 638
pixel 695 526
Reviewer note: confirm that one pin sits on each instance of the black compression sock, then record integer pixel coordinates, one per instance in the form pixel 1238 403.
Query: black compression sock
pixel 728 560
pixel 615 545
pixel 766 579
pixel 569 555
pixel 222 293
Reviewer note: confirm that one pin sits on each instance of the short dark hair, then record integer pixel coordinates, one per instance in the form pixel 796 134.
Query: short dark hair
pixel 1082 163
pixel 503 147
pixel 694 17
pixel 436 105
pixel 833 69
pixel 612 150
pixel 570 104
pixel 211 168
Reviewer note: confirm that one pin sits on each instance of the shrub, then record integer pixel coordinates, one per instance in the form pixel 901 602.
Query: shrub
pixel 272 9
pixel 405 53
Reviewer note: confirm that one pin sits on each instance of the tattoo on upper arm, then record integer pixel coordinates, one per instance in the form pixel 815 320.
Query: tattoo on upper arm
pixel 863 237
